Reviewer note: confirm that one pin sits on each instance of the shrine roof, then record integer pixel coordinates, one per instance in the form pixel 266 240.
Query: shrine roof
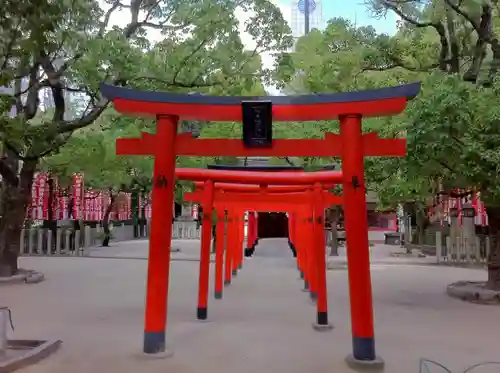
pixel 321 106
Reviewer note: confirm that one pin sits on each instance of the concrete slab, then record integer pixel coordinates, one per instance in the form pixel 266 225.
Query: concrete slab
pixel 263 322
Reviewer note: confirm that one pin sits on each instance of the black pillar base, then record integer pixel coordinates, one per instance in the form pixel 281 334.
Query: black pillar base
pixel 154 342
pixel 249 251
pixel 306 286
pixel 227 282
pixel 201 313
pixel 321 324
pixel 218 294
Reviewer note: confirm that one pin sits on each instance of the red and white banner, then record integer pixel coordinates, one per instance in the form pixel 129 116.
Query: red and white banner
pixel 124 208
pixel 194 212
pixel 481 218
pixel 88 204
pixel 78 194
pixel 93 205
pixel 39 197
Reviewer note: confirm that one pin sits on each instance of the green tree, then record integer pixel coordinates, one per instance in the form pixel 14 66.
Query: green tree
pixel 64 50
pixel 451 128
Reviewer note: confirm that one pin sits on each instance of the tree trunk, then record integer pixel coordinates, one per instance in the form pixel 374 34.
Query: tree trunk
pixel 494 256
pixel 105 221
pixel 14 200
pixel 334 242
pixel 407 227
pixel 421 221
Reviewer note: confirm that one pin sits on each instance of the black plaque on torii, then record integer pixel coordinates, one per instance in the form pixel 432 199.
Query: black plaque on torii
pixel 257 124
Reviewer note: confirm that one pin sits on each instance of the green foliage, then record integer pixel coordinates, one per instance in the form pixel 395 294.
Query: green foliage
pixel 451 127
pixel 60 51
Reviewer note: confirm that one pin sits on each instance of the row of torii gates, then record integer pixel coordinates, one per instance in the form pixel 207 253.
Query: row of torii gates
pixel 303 195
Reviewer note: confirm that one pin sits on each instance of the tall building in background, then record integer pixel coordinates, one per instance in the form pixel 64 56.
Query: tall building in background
pixel 297 23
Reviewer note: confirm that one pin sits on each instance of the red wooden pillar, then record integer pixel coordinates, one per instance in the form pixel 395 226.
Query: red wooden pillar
pixel 311 255
pixel 241 241
pixel 206 238
pixel 320 267
pixel 252 230
pixel 305 239
pixel 311 247
pixel 160 236
pixel 219 253
pixel 238 242
pixel 291 235
pixel 299 223
pixel 229 247
pixel 356 226
pixel 256 232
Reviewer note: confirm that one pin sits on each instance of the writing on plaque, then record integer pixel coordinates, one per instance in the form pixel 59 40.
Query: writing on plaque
pixel 257 124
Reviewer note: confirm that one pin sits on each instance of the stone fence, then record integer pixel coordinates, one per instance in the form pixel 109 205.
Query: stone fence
pixel 462 249
pixel 62 242
pixel 457 244
pixel 66 241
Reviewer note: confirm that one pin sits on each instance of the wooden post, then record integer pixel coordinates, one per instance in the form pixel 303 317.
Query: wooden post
pixel 241 241
pixel 298 223
pixel 321 323
pixel 206 238
pixel 229 248
pixel 219 253
pixel 160 236
pixel 358 255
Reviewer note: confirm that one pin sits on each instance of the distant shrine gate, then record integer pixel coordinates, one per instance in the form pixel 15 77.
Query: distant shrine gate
pixel 257 114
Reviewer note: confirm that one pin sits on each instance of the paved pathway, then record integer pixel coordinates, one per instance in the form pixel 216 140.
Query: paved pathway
pixel 274 248
pixel 263 324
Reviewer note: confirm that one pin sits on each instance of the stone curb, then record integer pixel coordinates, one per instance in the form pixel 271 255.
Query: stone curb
pixel 31 356
pixel 343 264
pixel 474 292
pixel 27 276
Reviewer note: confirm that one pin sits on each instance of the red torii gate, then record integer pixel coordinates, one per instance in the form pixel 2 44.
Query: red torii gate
pixel 290 198
pixel 351 145
pixel 210 198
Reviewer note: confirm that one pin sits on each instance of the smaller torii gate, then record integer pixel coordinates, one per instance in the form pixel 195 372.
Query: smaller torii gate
pixel 303 200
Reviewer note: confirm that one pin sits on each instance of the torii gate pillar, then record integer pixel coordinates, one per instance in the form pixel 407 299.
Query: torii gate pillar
pixel 358 253
pixel 160 236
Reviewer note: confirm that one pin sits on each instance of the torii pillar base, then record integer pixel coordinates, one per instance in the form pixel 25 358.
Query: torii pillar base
pixel 375 365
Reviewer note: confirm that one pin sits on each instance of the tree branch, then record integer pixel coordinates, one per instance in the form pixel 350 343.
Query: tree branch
pixel 464 14
pixel 288 161
pixel 107 17
pixel 438 26
pixel 54 78
pixel 171 84
pixel 32 101
pixel 188 57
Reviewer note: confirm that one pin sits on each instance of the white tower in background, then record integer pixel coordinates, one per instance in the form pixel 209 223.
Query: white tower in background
pixel 297 23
